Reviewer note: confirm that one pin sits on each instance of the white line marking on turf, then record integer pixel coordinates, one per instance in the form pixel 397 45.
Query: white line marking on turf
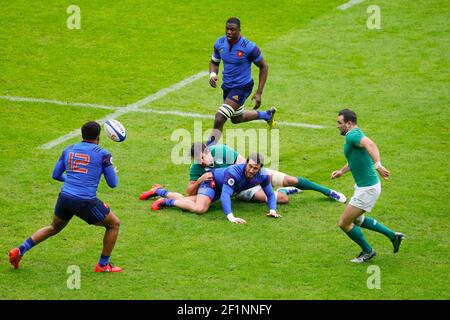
pixel 349 4
pixel 135 107
pixel 62 103
pixel 129 108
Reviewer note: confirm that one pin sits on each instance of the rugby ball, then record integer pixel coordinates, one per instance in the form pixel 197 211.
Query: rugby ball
pixel 115 130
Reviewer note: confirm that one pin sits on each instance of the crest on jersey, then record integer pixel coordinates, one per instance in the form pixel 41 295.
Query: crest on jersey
pixel 236 97
pixel 240 54
pixel 230 182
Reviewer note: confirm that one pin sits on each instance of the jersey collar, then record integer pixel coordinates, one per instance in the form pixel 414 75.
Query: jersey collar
pixel 231 44
pixel 89 141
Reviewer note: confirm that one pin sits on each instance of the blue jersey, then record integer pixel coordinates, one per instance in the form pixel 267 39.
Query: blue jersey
pixel 232 180
pixel 237 61
pixel 83 164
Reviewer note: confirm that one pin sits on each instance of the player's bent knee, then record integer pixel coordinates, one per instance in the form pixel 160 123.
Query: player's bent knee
pixel 235 120
pixel 282 198
pixel 225 111
pixel 202 209
pixel 344 224
pixel 112 221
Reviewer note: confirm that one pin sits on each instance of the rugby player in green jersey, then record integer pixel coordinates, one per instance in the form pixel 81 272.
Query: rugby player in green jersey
pixel 363 160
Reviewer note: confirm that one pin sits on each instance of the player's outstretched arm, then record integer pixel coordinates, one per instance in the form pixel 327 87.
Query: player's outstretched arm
pixel 225 199
pixel 271 201
pixel 374 153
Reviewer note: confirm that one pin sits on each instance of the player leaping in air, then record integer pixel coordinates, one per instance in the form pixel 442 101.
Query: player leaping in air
pixel 237 54
pixel 225 183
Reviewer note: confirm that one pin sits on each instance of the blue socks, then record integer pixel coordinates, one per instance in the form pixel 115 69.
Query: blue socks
pixel 162 192
pixel 104 260
pixel 26 245
pixel 264 115
pixel 169 202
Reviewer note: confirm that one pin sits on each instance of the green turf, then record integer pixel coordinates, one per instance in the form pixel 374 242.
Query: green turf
pixel 320 59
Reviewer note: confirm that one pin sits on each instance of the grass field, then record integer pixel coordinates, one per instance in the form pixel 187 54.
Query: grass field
pixel 321 60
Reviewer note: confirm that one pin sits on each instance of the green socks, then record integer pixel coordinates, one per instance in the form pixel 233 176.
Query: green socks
pixel 372 224
pixel 305 184
pixel 356 235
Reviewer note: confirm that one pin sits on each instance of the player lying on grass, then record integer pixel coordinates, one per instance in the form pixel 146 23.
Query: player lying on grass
pixel 363 160
pixel 220 156
pixel 224 183
pixel 83 164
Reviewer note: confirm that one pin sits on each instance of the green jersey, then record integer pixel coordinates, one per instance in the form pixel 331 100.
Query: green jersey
pixel 223 157
pixel 358 159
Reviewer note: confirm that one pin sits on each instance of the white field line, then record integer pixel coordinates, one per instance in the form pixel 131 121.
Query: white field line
pixel 129 108
pixel 61 103
pixel 162 112
pixel 349 4
pixel 135 107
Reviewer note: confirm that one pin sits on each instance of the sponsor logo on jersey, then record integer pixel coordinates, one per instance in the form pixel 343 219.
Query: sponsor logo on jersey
pixel 230 182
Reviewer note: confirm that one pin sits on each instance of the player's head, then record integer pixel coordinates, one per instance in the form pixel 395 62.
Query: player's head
pixel 91 131
pixel 233 29
pixel 201 154
pixel 254 164
pixel 346 120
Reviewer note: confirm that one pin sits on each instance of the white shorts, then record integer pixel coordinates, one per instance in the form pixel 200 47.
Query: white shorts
pixel 277 177
pixel 247 195
pixel 365 197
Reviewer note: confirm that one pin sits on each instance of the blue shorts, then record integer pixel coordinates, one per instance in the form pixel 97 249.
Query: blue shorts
pixel 238 94
pixel 206 188
pixel 91 211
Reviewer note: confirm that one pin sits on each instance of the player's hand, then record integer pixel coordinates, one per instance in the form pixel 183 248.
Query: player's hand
pixel 273 214
pixel 234 219
pixel 208 176
pixel 384 173
pixel 257 98
pixel 213 78
pixel 336 174
pixel 238 221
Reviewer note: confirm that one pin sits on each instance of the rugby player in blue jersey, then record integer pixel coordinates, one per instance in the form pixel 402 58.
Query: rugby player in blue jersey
pixel 80 167
pixel 225 183
pixel 237 54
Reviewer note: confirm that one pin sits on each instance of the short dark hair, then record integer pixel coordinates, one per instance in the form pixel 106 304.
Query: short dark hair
pixel 348 115
pixel 256 157
pixel 90 130
pixel 197 149
pixel 234 20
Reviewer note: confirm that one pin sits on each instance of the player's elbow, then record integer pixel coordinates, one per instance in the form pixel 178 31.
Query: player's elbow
pixel 58 176
pixel 113 183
